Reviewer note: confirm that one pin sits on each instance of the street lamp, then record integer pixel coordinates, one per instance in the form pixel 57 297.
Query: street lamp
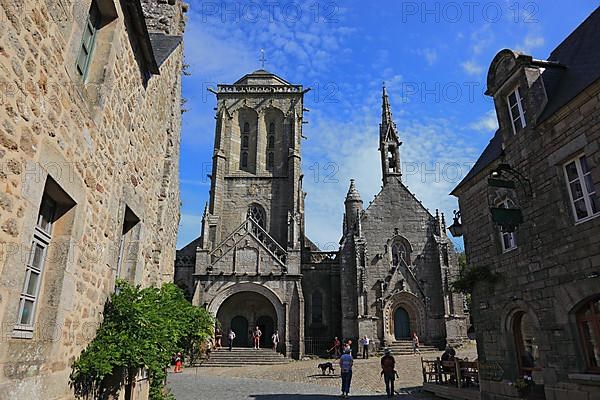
pixel 456 227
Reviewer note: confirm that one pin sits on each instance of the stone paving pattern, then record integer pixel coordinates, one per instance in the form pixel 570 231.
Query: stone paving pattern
pixel 365 380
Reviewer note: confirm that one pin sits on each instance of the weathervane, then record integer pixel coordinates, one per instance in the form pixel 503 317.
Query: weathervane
pixel 262 58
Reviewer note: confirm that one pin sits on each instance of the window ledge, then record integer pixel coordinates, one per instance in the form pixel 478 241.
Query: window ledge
pixel 21 333
pixel 509 250
pixel 590 379
pixel 586 219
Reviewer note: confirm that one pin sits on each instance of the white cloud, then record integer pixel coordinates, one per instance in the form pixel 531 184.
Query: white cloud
pixel 429 54
pixel 472 68
pixel 531 42
pixel 487 123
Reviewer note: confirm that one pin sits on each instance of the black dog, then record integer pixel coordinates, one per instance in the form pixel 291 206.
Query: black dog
pixel 326 367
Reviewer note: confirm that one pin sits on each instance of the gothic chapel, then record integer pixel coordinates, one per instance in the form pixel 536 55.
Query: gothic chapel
pixel 254 266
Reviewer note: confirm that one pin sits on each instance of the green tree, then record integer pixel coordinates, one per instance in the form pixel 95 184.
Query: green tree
pixel 142 328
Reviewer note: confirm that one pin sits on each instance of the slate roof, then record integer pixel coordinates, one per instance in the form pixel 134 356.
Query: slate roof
pixel 163 45
pixel 580 53
pixel 579 57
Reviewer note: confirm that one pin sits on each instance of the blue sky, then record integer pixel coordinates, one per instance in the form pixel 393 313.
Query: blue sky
pixel 433 57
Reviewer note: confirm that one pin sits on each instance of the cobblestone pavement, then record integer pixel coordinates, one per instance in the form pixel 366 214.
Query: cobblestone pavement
pixel 301 378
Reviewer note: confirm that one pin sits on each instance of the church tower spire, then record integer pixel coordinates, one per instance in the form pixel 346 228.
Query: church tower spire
pixel 389 143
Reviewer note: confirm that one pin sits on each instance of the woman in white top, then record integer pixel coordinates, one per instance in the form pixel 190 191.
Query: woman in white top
pixel 275 340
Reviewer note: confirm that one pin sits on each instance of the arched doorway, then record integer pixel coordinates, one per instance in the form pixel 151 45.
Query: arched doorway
pixel 239 325
pixel 401 324
pixel 242 312
pixel 267 327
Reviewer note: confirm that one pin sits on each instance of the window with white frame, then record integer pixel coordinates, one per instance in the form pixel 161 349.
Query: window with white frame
pixel 582 192
pixel 508 239
pixel 516 110
pixel 35 265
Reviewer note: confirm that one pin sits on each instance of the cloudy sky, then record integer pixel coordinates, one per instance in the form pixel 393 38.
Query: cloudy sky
pixel 433 57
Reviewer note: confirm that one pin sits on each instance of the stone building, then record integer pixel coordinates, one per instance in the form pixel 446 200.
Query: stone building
pixel 529 213
pixel 253 264
pixel 89 146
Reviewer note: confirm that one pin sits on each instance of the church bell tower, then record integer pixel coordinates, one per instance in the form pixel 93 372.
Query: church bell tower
pixel 389 143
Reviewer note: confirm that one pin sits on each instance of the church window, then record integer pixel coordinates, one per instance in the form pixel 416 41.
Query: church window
pixel 244 161
pixel 272 128
pixel 508 239
pixel 245 140
pixel 246 128
pixel 317 307
pixel 257 213
pixel 516 110
pixel 588 320
pixel 271 142
pixel 399 254
pixel 270 160
pixel 92 25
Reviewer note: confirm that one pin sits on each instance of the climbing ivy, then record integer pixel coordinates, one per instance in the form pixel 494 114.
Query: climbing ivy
pixel 470 275
pixel 142 328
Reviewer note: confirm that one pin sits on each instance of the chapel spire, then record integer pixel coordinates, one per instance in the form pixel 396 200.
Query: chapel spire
pixel 389 143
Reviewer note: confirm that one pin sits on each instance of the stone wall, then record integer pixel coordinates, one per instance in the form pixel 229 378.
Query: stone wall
pixel 553 270
pixel 108 143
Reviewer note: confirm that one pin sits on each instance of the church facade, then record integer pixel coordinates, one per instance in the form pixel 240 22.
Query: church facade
pixel 254 266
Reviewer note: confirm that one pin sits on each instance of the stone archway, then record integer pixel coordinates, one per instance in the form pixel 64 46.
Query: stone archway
pixel 401 306
pixel 256 303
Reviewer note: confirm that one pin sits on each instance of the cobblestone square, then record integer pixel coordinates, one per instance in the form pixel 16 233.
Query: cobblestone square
pixel 301 380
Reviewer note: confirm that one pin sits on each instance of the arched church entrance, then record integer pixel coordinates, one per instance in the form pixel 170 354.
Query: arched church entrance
pixel 242 312
pixel 401 324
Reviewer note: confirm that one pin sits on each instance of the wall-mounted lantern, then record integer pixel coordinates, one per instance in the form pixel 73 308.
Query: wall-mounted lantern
pixel 456 227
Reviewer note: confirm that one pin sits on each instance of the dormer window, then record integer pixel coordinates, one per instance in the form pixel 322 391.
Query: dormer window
pixel 516 110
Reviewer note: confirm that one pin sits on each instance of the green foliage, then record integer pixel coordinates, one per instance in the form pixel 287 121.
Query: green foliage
pixel 470 275
pixel 142 328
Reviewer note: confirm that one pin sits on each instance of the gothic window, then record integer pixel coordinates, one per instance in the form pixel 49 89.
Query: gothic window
pixel 399 254
pixel 92 24
pixel 516 110
pixel 270 160
pixel 509 239
pixel 245 140
pixel 244 160
pixel 317 307
pixel 257 213
pixel 526 343
pixel 588 321
pixel 272 128
pixel 582 193
pixel 271 142
pixel 246 130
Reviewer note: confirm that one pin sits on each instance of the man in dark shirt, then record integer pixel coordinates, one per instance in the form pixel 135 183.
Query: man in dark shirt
pixel 388 365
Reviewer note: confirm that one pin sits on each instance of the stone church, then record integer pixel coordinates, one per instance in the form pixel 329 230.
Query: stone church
pixel 253 264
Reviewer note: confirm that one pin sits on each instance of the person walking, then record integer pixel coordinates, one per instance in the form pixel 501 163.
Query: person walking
pixel 275 340
pixel 388 365
pixel 346 362
pixel 336 347
pixel 230 337
pixel 178 363
pixel 415 343
pixel 218 337
pixel 256 334
pixel 365 343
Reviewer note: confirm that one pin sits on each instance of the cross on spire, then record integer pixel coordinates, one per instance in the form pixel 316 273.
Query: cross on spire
pixel 262 58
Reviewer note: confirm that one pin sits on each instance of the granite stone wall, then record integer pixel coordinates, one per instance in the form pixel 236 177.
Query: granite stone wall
pixel 109 143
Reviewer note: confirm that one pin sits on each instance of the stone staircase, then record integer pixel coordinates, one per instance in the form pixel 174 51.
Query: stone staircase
pixel 404 347
pixel 244 356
